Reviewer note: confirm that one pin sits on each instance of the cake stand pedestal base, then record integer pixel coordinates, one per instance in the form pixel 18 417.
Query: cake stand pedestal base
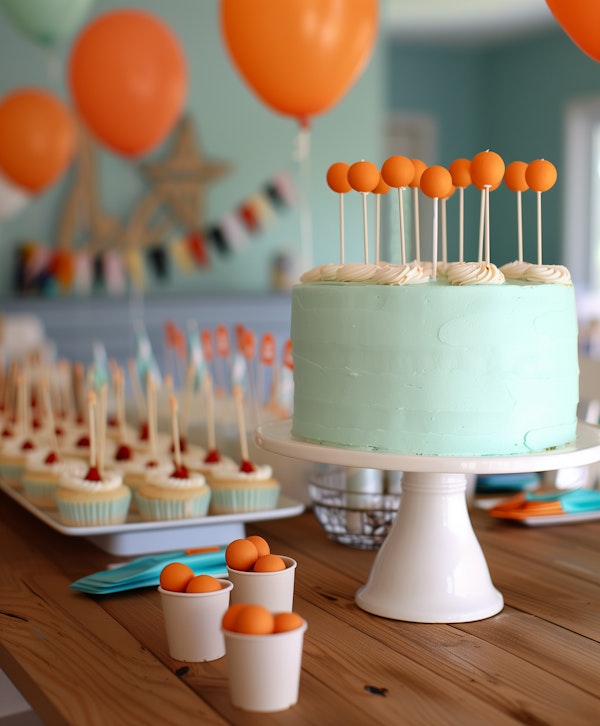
pixel 430 568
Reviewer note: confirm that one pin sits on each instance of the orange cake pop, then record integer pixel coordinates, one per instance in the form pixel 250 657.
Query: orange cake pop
pixel 460 171
pixel 363 177
pixel 398 172
pixel 541 176
pixel 415 185
pixel 337 179
pixel 487 171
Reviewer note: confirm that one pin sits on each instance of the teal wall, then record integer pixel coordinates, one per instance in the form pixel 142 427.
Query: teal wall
pixel 233 126
pixel 510 98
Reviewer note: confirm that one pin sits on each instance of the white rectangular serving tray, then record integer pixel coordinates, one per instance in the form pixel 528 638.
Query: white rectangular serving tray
pixel 136 537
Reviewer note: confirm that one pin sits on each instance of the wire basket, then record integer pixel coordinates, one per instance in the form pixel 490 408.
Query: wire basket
pixel 352 517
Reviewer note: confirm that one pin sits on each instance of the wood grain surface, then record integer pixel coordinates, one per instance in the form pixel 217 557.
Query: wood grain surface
pixel 104 660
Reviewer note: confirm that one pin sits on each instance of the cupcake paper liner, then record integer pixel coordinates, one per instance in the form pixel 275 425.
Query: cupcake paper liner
pixel 156 509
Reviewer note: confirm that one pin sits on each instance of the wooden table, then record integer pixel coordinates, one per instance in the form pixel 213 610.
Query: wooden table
pixel 84 660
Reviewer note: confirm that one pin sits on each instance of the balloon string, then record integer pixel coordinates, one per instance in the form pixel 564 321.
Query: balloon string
pixel 303 157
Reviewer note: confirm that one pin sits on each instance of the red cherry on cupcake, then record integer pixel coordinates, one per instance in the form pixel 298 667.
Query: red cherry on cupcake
pixel 247 466
pixel 212 457
pixel 180 472
pixel 124 453
pixel 52 458
pixel 93 474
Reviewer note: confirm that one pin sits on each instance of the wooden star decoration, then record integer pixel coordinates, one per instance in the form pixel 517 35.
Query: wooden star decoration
pixel 182 178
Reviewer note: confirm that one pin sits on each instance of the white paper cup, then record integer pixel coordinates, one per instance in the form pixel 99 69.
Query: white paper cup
pixel 264 670
pixel 193 623
pixel 272 590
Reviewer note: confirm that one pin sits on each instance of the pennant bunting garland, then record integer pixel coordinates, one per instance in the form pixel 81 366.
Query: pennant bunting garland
pixel 197 248
pixel 44 270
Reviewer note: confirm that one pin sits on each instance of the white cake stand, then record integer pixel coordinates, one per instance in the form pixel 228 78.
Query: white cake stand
pixel 430 568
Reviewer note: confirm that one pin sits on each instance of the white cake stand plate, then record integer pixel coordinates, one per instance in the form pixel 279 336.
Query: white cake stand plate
pixel 430 568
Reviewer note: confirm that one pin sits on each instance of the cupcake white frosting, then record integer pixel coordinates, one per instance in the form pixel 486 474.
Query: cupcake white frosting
pixel 194 480
pixel 261 472
pixel 74 478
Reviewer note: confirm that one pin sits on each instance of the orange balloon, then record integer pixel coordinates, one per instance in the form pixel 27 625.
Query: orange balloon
pixel 436 182
pixel 514 176
pixel 460 171
pixel 381 187
pixel 579 19
pixel 300 57
pixel 363 176
pixel 541 175
pixel 487 169
pixel 337 177
pixel 398 171
pixel 419 167
pixel 37 135
pixel 128 78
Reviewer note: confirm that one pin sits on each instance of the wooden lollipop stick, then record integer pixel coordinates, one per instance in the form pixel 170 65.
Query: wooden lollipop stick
pixel 91 401
pixel 520 224
pixel 416 223
pixel 119 401
pixel 487 224
pixel 402 234
pixel 461 224
pixel 341 229
pixel 365 228
pixel 539 227
pixel 101 431
pixel 173 406
pixel 481 226
pixel 187 399
pixel 152 420
pixel 210 410
pixel 45 391
pixel 138 394
pixel 238 395
pixel 434 254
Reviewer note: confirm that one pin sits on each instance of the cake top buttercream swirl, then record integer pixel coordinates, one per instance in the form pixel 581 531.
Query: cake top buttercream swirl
pixel 557 274
pixel 473 273
pixel 407 274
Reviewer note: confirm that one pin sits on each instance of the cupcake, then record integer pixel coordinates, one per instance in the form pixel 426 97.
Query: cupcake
pixel 249 488
pixel 179 494
pixel 86 498
pixel 14 455
pixel 42 476
pixel 136 472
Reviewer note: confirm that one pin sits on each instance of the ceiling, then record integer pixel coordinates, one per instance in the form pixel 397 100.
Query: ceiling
pixel 465 21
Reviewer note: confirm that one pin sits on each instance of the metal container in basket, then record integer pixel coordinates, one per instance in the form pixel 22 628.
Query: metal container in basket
pixel 354 506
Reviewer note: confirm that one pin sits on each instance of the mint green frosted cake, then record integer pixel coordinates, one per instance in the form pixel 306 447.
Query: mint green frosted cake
pixel 435 368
